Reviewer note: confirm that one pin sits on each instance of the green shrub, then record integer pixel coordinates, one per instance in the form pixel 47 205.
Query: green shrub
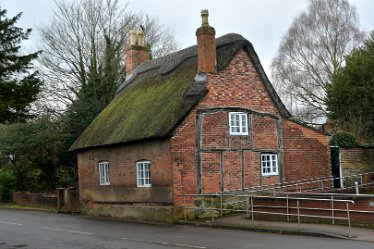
pixel 344 139
pixel 7 185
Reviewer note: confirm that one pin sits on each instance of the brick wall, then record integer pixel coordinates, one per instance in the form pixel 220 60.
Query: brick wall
pixel 361 203
pixel 221 161
pixel 35 199
pixel 305 152
pixel 238 85
pixel 357 160
pixel 183 158
pixel 205 156
pixel 122 172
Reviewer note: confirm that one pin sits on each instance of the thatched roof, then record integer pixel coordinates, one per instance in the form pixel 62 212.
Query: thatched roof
pixel 160 93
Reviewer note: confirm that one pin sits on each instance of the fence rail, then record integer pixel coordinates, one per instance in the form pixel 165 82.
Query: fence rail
pixel 315 184
pixel 287 206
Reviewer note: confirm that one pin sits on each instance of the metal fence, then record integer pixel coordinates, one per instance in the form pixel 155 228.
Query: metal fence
pixel 215 205
pixel 324 184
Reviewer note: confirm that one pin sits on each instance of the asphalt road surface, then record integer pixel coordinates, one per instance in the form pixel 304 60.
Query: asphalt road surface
pixel 29 229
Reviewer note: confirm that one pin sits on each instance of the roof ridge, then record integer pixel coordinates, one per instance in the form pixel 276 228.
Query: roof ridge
pixel 169 62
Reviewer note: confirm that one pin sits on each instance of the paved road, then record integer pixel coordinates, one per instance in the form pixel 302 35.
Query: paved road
pixel 28 229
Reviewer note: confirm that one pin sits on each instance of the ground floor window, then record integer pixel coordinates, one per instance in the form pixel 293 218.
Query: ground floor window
pixel 269 164
pixel 104 173
pixel 143 172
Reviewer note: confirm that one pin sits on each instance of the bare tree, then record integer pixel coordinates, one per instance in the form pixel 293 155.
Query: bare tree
pixel 310 53
pixel 75 41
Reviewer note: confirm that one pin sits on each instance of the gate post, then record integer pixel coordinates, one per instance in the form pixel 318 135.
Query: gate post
pixel 60 198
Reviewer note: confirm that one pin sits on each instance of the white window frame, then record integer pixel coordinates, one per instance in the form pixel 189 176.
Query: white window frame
pixel 143 174
pixel 269 164
pixel 242 117
pixel 104 173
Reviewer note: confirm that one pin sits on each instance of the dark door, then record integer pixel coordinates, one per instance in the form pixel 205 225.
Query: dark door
pixel 335 166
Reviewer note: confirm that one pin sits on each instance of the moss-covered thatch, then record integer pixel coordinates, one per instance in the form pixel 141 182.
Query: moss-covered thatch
pixel 150 108
pixel 160 93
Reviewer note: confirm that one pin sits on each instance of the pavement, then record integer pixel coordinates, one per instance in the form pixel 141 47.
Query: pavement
pixel 292 228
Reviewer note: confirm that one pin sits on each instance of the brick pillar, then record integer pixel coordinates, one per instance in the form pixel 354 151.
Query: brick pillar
pixel 206 46
pixel 136 53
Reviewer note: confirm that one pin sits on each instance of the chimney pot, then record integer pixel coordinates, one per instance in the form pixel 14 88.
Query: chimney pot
pixel 132 37
pixel 140 38
pixel 204 17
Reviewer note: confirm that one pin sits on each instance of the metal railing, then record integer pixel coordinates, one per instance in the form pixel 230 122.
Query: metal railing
pixel 218 204
pixel 315 184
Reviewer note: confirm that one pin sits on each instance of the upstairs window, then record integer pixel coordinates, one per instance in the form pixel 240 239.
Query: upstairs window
pixel 104 173
pixel 269 164
pixel 238 123
pixel 143 172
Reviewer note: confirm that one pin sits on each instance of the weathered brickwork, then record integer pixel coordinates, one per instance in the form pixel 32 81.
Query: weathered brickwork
pixel 232 170
pixel 238 85
pixel 264 133
pixel 211 172
pixel 222 162
pixel 206 49
pixel 135 55
pixel 183 157
pixel 203 149
pixel 122 168
pixel 356 160
pixel 305 152
pixel 213 124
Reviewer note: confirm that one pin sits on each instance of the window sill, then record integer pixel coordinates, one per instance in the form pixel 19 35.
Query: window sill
pixel 269 175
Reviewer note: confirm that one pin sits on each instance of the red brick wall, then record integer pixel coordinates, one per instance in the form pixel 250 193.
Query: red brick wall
pixel 213 124
pixel 361 203
pixel 183 158
pixel 305 152
pixel 357 160
pixel 251 169
pixel 264 132
pixel 211 172
pixel 237 86
pixel 122 169
pixel 232 170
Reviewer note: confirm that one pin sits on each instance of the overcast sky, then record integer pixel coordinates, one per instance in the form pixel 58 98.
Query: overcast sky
pixel 262 22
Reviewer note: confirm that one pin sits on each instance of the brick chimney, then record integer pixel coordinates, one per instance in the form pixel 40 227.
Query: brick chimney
pixel 206 46
pixel 136 53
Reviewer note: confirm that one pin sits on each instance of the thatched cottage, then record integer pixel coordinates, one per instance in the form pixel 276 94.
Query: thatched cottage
pixel 204 119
